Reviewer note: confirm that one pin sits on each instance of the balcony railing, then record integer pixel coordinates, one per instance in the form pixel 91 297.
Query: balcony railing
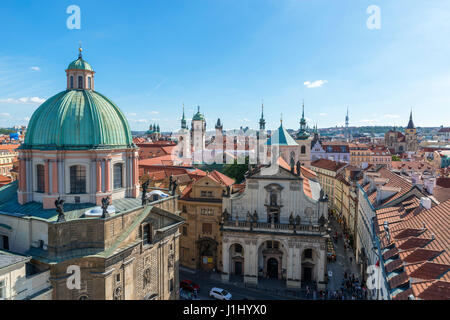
pixel 272 227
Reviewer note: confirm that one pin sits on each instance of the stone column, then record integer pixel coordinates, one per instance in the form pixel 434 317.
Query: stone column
pixel 47 176
pixel 293 267
pixel 225 260
pixel 321 267
pixel 99 175
pixel 54 177
pixel 107 175
pixel 22 173
pixel 250 262
pixel 128 279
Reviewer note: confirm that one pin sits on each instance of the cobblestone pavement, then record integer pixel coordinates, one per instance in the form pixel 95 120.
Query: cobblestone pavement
pixel 343 264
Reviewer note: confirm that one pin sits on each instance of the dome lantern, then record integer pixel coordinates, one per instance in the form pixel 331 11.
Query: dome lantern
pixel 80 75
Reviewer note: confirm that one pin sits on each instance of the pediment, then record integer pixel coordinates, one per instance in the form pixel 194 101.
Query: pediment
pixel 268 173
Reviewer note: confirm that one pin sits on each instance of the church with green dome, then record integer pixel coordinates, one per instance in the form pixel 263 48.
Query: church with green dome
pixel 78 146
pixel 77 203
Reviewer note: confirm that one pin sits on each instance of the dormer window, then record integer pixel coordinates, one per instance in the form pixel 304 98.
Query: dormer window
pixel 80 82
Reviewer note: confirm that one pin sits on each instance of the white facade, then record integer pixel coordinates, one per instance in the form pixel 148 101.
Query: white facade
pixel 15 284
pixel 269 246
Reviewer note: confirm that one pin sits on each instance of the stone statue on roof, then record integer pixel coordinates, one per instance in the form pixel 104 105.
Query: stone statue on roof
pixel 174 187
pixel 105 203
pixel 144 192
pixel 60 209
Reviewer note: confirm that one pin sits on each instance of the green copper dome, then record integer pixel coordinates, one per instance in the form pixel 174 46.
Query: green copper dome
pixel 78 120
pixel 80 64
pixel 198 116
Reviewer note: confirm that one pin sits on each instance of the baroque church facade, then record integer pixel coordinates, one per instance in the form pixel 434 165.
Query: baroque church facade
pixel 276 227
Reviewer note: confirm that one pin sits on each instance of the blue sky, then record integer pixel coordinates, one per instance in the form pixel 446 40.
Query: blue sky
pixel 226 55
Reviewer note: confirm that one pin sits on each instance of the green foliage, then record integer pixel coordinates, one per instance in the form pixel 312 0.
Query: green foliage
pixel 236 171
pixel 6 131
pixel 395 158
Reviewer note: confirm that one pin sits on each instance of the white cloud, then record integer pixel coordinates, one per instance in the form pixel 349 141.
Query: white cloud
pixel 35 68
pixel 133 114
pixel 391 116
pixel 5 114
pixel 369 120
pixel 23 100
pixel 315 84
pixel 154 112
pixel 26 118
pixel 323 114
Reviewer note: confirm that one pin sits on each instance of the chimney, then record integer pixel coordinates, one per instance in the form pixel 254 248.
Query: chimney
pixel 425 202
pixel 430 184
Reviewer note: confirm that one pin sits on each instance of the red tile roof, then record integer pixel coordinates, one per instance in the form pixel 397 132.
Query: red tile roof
pixel 328 164
pixel 422 241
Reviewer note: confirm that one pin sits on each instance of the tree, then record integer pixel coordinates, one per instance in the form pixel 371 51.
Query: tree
pixel 236 171
pixel 396 158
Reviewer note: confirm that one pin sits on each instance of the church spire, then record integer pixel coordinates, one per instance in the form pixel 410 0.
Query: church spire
pixel 262 122
pixel 183 120
pixel 303 133
pixel 410 123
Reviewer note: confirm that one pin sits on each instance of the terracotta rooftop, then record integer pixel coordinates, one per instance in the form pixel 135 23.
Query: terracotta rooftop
pixel 419 249
pixel 328 164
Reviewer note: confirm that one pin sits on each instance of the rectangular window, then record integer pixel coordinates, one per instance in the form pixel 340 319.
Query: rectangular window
pixel 40 175
pixel 170 285
pixel 118 175
pixel 118 277
pixel 146 234
pixel 89 83
pixel 210 194
pixel 207 228
pixel 77 179
pixel 80 82
pixel 269 244
pixel 203 193
pixel 71 82
pixel 185 231
pixel 5 243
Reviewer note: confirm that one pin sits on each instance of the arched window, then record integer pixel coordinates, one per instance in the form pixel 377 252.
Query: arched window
pixel 80 82
pixel 118 176
pixel 77 179
pixel 71 82
pixel 303 150
pixel 40 176
pixel 89 83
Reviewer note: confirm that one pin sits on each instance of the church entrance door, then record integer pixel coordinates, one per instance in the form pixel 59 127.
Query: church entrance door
pixel 272 268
